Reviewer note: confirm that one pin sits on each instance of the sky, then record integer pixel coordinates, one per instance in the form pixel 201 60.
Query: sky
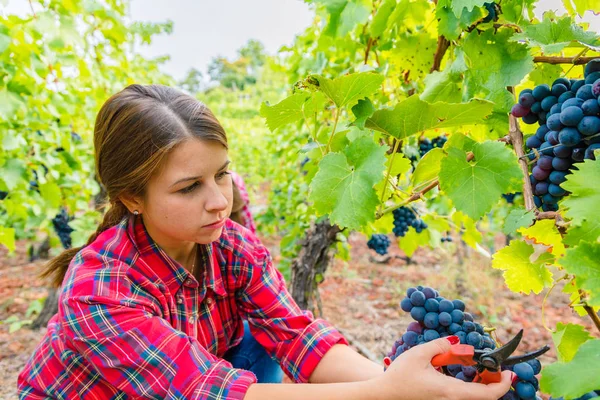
pixel 204 29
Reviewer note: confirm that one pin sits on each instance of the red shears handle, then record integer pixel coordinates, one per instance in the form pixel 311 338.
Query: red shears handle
pixel 458 354
pixel 463 354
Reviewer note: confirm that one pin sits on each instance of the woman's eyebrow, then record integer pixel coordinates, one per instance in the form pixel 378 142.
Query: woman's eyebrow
pixel 193 178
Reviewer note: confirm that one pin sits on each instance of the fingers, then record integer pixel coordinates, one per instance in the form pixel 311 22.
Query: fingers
pixel 435 347
pixel 492 391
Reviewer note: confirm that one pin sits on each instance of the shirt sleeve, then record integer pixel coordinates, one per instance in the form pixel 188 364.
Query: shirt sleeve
pixel 121 337
pixel 289 334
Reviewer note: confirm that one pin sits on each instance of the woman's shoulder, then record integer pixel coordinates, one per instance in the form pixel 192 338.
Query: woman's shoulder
pixel 242 243
pixel 110 255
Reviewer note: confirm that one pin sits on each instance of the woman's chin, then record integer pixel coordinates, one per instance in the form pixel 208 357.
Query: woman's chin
pixel 211 237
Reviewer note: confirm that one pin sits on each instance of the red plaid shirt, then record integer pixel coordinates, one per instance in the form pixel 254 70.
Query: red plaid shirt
pixel 133 323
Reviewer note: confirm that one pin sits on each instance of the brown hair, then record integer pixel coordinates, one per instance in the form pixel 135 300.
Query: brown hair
pixel 134 132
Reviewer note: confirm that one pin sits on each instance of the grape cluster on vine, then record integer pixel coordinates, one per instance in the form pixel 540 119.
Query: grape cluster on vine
pixel 62 228
pixel 425 145
pixel 446 238
pixel 435 317
pixel 510 197
pixel 404 218
pixel 569 117
pixel 492 12
pixel 379 243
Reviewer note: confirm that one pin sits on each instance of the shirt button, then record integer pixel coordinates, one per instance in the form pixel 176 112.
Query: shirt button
pixel 179 300
pixel 209 301
pixel 192 318
pixel 189 282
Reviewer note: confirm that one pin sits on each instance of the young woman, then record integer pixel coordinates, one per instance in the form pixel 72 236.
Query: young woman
pixel 153 307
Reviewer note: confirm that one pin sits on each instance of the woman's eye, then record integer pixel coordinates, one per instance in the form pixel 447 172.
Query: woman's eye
pixel 222 174
pixel 190 188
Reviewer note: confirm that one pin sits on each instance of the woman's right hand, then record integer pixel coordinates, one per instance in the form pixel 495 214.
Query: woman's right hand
pixel 412 377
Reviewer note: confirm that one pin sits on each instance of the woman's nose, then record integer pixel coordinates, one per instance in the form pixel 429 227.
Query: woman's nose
pixel 217 201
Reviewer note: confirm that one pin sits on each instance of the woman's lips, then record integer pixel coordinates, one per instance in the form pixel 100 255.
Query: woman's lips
pixel 215 225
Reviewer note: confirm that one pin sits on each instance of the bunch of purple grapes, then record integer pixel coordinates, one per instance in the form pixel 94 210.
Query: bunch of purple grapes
pixel 437 317
pixel 404 218
pixel 569 117
pixel 379 243
pixel 61 226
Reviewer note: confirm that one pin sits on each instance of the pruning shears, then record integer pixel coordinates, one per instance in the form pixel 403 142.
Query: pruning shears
pixel 487 362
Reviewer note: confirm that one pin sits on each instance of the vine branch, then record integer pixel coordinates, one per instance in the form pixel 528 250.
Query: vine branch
pixel 589 310
pixel 440 51
pixel 563 60
pixel 369 44
pixel 516 138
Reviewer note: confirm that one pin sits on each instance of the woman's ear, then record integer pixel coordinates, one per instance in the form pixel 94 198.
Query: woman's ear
pixel 132 203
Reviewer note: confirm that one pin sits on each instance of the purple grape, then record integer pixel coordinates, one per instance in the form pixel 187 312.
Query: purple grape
pixel 415 327
pixel 569 136
pixel 571 116
pixel 418 299
pixel 406 305
pixel 561 164
pixel 541 188
pixel 432 305
pixel 519 111
pixel 545 162
pixel 540 174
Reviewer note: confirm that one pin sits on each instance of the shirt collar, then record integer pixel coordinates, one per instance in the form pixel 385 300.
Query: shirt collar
pixel 169 270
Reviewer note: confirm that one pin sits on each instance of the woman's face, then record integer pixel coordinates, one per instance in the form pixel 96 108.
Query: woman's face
pixel 189 200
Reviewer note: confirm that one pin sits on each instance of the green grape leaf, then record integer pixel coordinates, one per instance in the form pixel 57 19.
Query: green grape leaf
pixel 4 42
pixel 450 26
pixel 428 167
pixel 362 110
pixel 584 262
pixel 553 34
pixel 476 186
pixel 461 141
pixel 51 193
pixel 517 218
pixel 471 235
pixel 577 377
pixel 442 86
pixel 10 104
pixel 285 112
pixel 380 19
pixel 545 232
pixel 584 185
pixel 343 186
pixel 12 172
pixel 588 231
pixel 421 46
pixel 495 63
pixel 459 5
pixel 520 273
pixel 7 238
pixel 401 165
pixel 355 13
pixel 413 115
pixel 349 89
pixel 568 338
pixel 572 290
pixel 412 240
pixel 581 6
